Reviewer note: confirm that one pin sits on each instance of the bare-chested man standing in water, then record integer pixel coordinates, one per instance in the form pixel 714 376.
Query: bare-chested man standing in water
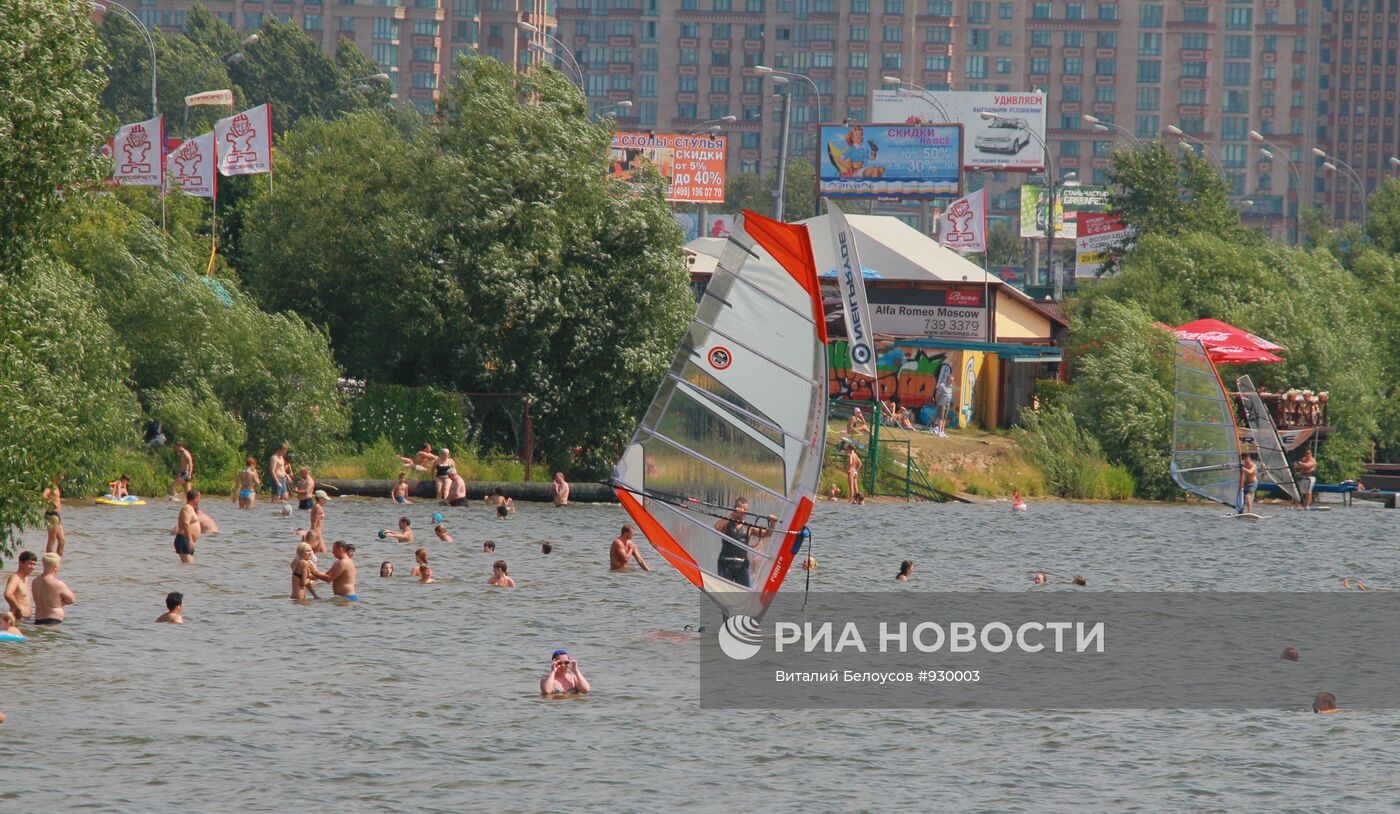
pixel 624 549
pixel 17 586
pixel 187 528
pixel 342 574
pixel 277 473
pixel 51 595
pixel 315 535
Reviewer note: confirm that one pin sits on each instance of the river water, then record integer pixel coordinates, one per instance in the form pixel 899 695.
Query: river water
pixel 422 698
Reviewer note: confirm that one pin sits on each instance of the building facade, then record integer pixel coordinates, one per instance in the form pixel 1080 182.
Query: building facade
pixel 1258 85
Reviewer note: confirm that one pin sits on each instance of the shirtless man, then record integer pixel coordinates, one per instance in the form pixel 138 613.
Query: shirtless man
pixel 187 527
pixel 248 483
pixel 174 609
pixel 564 677
pixel 443 466
pixel 185 467
pixel 403 535
pixel 277 473
pixel 53 517
pixel 456 490
pixel 304 573
pixel 499 577
pixel 17 585
pixel 342 574
pixel 441 531
pixel 560 489
pixel 856 423
pixel 306 490
pixel 852 472
pixel 1307 477
pixel 421 459
pixel 505 507
pixel 315 534
pixel 400 491
pixel 624 549
pixel 50 593
pixel 1251 482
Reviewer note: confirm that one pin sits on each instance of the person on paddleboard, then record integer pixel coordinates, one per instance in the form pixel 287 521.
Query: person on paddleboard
pixel 1250 471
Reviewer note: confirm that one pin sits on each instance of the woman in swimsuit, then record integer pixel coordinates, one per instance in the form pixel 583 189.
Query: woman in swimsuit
pixel 53 518
pixel 304 573
pixel 564 677
pixel 443 469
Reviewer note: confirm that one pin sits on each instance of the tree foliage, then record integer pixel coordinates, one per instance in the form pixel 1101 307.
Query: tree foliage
pixel 1158 192
pixel 488 253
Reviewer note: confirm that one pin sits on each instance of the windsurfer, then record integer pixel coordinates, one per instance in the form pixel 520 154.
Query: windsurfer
pixel 733 554
pixel 1307 477
pixel 1251 482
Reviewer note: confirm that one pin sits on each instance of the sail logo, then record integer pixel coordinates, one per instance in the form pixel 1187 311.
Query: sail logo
pixel 860 351
pixel 740 637
pixel 720 357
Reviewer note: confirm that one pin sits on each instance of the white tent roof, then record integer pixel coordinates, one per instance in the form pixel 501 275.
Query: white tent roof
pixel 890 249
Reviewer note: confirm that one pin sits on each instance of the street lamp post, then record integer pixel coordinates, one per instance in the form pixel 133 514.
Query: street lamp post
pixel 1271 150
pixel 923 93
pixel 231 58
pixel 150 44
pixel 1331 163
pixel 1104 126
pixel 359 84
pixel 780 189
pixel 1050 188
pixel 716 126
pixel 1185 136
pixel 531 28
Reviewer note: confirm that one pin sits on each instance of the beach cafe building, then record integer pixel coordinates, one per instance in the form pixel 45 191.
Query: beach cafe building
pixel 935 315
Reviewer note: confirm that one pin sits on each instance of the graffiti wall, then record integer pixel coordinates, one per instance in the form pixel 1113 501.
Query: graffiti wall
pixel 907 375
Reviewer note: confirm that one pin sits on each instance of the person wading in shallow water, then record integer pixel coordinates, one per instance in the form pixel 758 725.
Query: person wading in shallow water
pixel 564 677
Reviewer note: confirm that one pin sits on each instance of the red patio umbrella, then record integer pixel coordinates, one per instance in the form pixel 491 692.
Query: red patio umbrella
pixel 1226 344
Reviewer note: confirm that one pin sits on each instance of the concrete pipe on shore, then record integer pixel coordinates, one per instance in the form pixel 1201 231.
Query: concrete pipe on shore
pixel 476 490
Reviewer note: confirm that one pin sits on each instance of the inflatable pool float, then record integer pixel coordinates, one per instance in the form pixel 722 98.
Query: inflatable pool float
pixel 9 637
pixel 129 500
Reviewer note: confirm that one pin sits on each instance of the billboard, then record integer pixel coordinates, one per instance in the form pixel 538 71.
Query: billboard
pixel 890 160
pixel 954 313
pixel 991 145
pixel 1076 199
pixel 1101 237
pixel 693 166
pixel 1035 211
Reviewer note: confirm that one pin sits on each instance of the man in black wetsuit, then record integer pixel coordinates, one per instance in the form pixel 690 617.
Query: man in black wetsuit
pixel 733 552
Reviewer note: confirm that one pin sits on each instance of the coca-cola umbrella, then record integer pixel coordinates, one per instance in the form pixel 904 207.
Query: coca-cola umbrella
pixel 1226 344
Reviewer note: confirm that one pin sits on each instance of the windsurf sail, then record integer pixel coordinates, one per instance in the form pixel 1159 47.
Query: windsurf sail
pixel 740 415
pixel 1205 442
pixel 1273 460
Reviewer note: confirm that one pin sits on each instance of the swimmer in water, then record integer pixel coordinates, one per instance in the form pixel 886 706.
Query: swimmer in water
pixel 386 569
pixel 174 609
pixel 425 576
pixel 489 547
pixel 342 574
pixel 403 535
pixel 1325 703
pixel 441 531
pixel 1040 578
pixel 1080 581
pixel 1290 654
pixel 456 490
pixel 420 561
pixel 505 507
pixel 400 491
pixel 304 573
pixel 1358 585
pixel 905 569
pixel 247 484
pixel 306 490
pixel 624 549
pixel 7 625
pixel 564 677
pixel 499 577
pixel 810 564
pixel 545 548
pixel 187 527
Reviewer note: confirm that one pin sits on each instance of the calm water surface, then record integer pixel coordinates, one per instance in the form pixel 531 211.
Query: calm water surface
pixel 422 698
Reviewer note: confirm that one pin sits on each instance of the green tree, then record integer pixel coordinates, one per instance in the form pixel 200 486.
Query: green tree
pixel 1004 246
pixel 799 190
pixel 1383 221
pixel 1158 192
pixel 488 253
pixel 747 190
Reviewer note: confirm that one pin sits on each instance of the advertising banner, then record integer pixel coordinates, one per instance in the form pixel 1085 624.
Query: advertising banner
pixel 191 166
pixel 693 166
pixel 136 154
pixel 890 160
pixel 860 338
pixel 954 313
pixel 963 227
pixel 1101 237
pixel 244 142
pixel 1008 143
pixel 1076 199
pixel 1034 210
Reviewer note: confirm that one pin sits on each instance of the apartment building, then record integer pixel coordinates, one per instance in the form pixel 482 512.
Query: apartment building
pixel 1302 74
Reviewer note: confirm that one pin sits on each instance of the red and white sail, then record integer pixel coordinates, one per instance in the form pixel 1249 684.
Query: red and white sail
pixel 741 413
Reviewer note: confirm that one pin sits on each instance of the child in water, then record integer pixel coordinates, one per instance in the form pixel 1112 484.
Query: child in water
pixel 400 491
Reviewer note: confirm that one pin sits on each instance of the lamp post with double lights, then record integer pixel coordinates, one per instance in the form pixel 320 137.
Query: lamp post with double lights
pixel 1050 190
pixel 531 28
pixel 1271 151
pixel 359 84
pixel 710 128
pixel 231 58
pixel 1187 137
pixel 1331 163
pixel 784 78
pixel 923 93
pixel 1103 126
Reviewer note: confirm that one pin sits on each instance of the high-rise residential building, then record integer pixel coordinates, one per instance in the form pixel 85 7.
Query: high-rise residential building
pixel 1258 85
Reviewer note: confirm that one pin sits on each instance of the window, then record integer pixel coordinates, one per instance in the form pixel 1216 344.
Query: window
pixel 856 88
pixel 1040 11
pixel 822 59
pixel 1298 99
pixel 1238 46
pixel 1106 94
pixel 687 84
pixel 1072 67
pixel 724 5
pixel 1193 124
pixel 938 63
pixel 347 25
pixel 823 32
pixel 1006 11
pixel 1108 11
pixel 386 55
pixel 1239 19
pixel 689 56
pixel 688 110
pixel 621 81
pixel 1071 93
pixel 718 84
pixel 860 6
pixel 753 5
pixel 1149 98
pixel 1004 39
pixel 1003 65
pixel 750 141
pixel 1237 73
pixel 646 86
pixel 424 80
pixel 858 59
pixel 895 61
pixel 1074 11
pixel 1074 39
pixel 894 6
pixel 648 60
pixel 1105 67
pixel 1040 66
pixel 425 28
pixel 1148 126
pixel 690 31
pixel 979 12
pixel 1196 14
pixel 1069 148
pixel 1149 44
pixel 386 28
pixel 1106 39
pixel 1069 121
pixel 940 8
pixel 425 53
pixel 1234 128
pixel 1193 70
pixel 720 31
pixel 647 114
pixel 1040 39
pixel 939 36
pixel 1236 101
pixel 1195 42
pixel 311 22
pixel 1193 96
pixel 892 33
pixel 860 33
pixel 978 39
pixel 1149 70
pixel 1232 155
pixel 1103 149
pixel 250 20
pixel 976 67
